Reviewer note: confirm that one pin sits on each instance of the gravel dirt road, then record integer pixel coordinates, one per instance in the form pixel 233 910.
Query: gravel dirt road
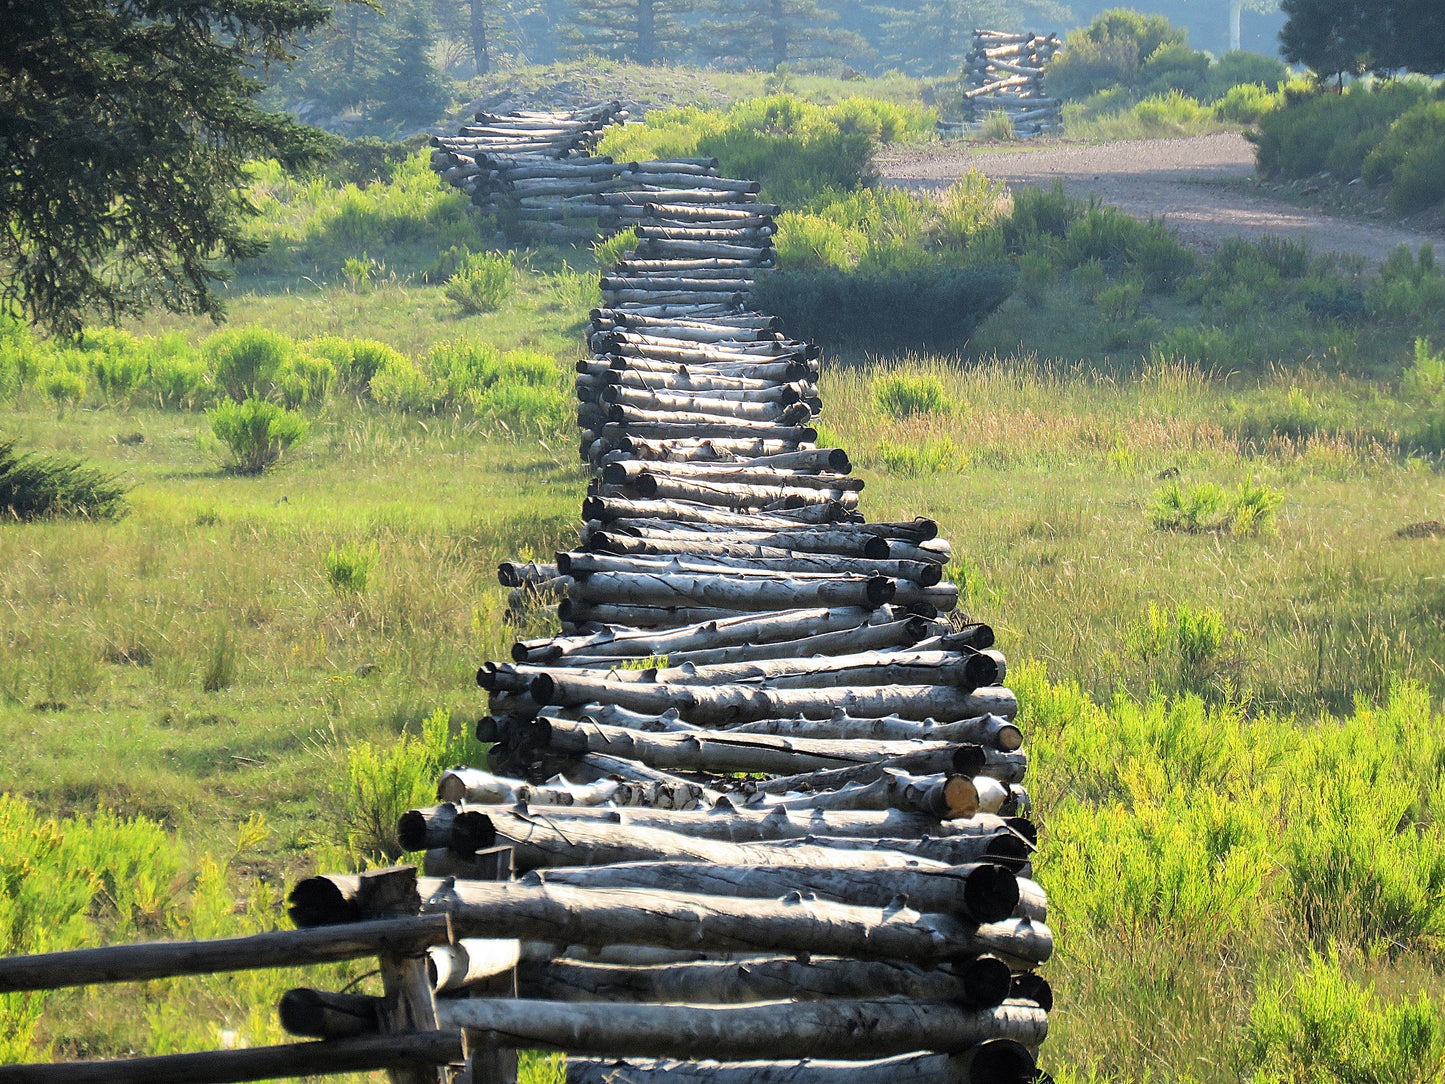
pixel 1203 186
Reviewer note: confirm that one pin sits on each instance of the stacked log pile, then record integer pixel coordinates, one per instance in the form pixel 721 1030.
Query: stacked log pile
pixel 1006 75
pixel 764 795
pixel 755 813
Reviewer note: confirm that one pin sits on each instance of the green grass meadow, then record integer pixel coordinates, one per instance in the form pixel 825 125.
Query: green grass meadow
pixel 1200 522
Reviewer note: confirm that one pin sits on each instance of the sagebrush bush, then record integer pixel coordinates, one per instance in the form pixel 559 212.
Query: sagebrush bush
pixel 1328 132
pixel 257 432
pixel 64 387
pixel 483 282
pixel 33 487
pixel 1246 103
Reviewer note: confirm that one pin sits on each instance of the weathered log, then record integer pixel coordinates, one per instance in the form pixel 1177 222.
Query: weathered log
pixel 1032 902
pixel 837 1028
pixel 320 1014
pixel 404 1050
pixel 982 982
pixel 567 915
pixel 518 574
pixel 962 760
pixel 783 625
pixel 162 959
pixel 722 704
pixel 841 541
pixel 733 592
pixel 997 1061
pixel 892 634
pixel 990 731
pixel 476 786
pixel 981 892
pixel 468 961
pixel 939 795
pixel 555 843
pixel 581 563
pixel 475 827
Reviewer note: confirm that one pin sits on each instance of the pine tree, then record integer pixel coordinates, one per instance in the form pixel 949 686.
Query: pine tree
pixel 643 31
pixel 487 28
pixel 771 33
pixel 1351 37
pixel 125 130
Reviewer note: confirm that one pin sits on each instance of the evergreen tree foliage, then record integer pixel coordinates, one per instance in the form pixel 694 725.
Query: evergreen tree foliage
pixel 771 33
pixel 371 59
pixel 125 127
pixel 32 487
pixel 1351 37
pixel 932 37
pixel 644 31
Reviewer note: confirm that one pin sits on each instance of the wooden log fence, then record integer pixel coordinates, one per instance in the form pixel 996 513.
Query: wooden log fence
pixel 755 813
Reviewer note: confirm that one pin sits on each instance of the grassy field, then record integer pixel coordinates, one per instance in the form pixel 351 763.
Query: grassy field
pixel 1225 633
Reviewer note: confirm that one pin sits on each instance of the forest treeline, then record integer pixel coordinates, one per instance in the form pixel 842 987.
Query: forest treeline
pixel 398 60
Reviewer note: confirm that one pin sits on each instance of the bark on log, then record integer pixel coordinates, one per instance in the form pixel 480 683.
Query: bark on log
pixel 990 731
pixel 998 1061
pixel 581 843
pixel 979 983
pixel 980 892
pixel 579 563
pixel 678 920
pixel 939 795
pixel 837 1028
pixel 776 627
pixel 839 540
pixel 162 959
pixel 398 1051
pixel 733 593
pixel 722 704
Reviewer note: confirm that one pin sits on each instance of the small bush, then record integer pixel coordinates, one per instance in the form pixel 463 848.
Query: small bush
pixel 1424 377
pixel 1247 509
pixel 1041 213
pixel 400 385
pixel 33 487
pixel 611 250
pixel 1334 133
pixel 179 380
pixel 967 208
pixel 349 568
pixel 997 127
pixel 65 388
pixel 1186 640
pixel 1247 103
pixel 526 406
pixel 257 432
pixel 1119 301
pixel 902 395
pixel 929 456
pixel 482 283
pixel 247 362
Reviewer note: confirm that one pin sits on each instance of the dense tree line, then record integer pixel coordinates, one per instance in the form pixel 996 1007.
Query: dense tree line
pixel 1351 37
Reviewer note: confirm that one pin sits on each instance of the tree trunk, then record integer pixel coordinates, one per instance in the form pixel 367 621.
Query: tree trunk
pixel 989 731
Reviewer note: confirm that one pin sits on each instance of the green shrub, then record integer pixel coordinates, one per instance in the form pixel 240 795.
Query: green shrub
pixel 611 250
pixel 997 127
pixel 179 380
pixel 1119 301
pixel 1172 113
pixel 483 282
pixel 1041 213
pixel 305 379
pixel 1410 157
pixel 117 362
pixel 247 362
pixel 33 487
pixel 902 395
pixel 967 208
pixel 1330 132
pixel 1186 641
pixel 257 432
pixel 1246 103
pixel 1241 68
pixel 382 782
pixel 1317 1026
pixel 525 406
pixel 929 456
pixel 65 388
pixel 937 307
pixel 1424 377
pixel 458 366
pixel 1175 68
pixel 349 568
pixel 1249 508
pixel 400 385
pixel 1408 289
pixel 808 240
pixel 1110 51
